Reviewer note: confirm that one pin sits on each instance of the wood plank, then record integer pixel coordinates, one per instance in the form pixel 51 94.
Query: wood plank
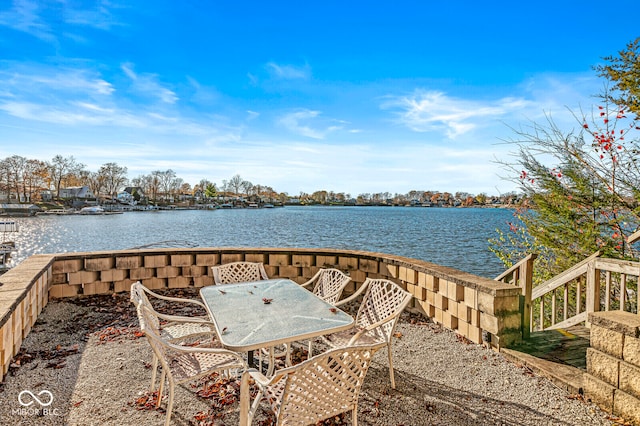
pixel 563 277
pixel 577 319
pixel 620 266
pixel 515 267
pixel 633 237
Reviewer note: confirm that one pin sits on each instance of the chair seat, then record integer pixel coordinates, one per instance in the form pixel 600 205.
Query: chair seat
pixel 178 330
pixel 342 338
pixel 188 366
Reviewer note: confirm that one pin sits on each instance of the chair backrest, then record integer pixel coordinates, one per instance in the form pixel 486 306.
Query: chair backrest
pixel 139 298
pixel 330 284
pixel 238 272
pixel 321 387
pixel 383 300
pixel 147 318
pixel 138 294
pixel 149 326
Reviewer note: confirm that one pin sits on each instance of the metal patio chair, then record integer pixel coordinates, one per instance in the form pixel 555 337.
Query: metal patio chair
pixel 314 390
pixel 377 317
pixel 328 284
pixel 183 364
pixel 174 327
pixel 237 272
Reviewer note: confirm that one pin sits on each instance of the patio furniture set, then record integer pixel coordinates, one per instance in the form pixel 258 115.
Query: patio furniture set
pixel 247 312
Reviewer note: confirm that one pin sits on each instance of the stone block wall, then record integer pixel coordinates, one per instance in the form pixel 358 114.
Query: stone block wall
pixel 613 363
pixel 480 309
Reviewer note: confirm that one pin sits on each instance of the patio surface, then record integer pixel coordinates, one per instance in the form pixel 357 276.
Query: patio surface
pixel 90 354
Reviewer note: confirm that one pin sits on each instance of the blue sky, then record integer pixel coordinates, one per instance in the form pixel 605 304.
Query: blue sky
pixel 346 96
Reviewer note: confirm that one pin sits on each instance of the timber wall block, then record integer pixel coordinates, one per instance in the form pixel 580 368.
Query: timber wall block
pixel 613 364
pixel 480 309
pixel 24 292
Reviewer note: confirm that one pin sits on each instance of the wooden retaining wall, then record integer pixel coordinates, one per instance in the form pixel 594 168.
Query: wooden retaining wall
pixel 480 309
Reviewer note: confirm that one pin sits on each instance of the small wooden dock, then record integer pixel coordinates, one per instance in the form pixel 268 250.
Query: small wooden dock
pixel 560 355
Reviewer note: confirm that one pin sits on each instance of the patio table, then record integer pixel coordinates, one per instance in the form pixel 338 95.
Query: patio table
pixel 267 313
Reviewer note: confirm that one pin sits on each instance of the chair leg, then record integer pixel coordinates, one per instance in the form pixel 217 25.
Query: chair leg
pixel 287 357
pixel 245 418
pixel 154 371
pixel 160 389
pixel 354 416
pixel 272 361
pixel 393 381
pixel 169 405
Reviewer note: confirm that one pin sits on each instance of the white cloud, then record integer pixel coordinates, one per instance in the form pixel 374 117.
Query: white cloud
pixel 295 123
pixel 425 111
pixel 98 16
pixel 288 72
pixel 204 95
pixel 72 114
pixel 45 82
pixel 147 84
pixel 24 17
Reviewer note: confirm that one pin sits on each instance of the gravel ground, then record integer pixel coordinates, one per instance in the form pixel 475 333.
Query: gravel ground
pixel 89 355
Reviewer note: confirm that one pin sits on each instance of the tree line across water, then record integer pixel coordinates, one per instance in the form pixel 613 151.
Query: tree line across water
pixel 26 179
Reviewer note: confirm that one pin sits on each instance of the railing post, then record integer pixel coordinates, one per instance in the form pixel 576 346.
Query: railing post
pixel 593 290
pixel 526 285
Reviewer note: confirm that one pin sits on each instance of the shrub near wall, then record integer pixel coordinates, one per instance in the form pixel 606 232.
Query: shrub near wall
pixel 478 308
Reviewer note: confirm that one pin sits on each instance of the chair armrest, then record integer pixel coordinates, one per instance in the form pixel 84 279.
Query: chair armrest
pixel 260 378
pixel 180 318
pixel 368 328
pixel 355 295
pixel 174 299
pixel 312 280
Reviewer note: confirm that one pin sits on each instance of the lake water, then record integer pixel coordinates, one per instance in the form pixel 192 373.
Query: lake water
pixel 446 236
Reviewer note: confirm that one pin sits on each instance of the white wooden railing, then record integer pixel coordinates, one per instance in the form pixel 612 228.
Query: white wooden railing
pixel 595 284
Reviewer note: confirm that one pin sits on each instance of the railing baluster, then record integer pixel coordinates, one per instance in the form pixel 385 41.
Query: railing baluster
pixel 607 298
pixel 638 295
pixel 579 296
pixel 554 310
pixel 566 302
pixel 542 313
pixel 623 291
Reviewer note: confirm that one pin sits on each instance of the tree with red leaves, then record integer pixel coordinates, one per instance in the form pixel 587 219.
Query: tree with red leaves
pixel 582 186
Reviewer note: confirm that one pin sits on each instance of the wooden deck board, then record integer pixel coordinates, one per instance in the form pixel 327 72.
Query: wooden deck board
pixel 563 346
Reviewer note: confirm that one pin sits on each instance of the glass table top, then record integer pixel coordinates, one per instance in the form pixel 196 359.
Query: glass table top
pixel 267 313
